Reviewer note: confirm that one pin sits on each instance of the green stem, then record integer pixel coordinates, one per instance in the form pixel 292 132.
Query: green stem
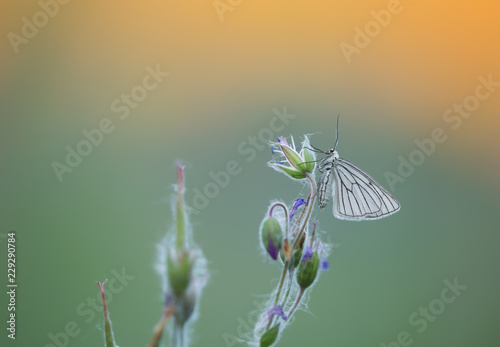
pixel 181 233
pixel 283 275
pixel 283 303
pixel 177 335
pixel 160 327
pixel 181 336
pixel 296 303
pixel 310 204
pixel 286 214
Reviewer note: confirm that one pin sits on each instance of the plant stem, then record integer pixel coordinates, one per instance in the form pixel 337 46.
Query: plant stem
pixel 286 214
pixel 310 204
pixel 297 301
pixel 181 225
pixel 283 303
pixel 283 275
pixel 158 330
pixel 181 336
pixel 177 335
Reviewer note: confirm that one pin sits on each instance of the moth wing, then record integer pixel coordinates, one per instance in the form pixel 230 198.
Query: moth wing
pixel 358 196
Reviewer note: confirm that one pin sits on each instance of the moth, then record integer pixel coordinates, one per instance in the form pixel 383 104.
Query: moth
pixel 356 196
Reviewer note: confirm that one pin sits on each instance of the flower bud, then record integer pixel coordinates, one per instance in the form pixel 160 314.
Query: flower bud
pixel 108 331
pixel 300 164
pixel 179 272
pixel 271 236
pixel 308 155
pixel 308 268
pixel 293 158
pixel 270 336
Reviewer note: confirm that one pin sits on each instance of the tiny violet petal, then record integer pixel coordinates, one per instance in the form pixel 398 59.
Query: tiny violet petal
pixel 276 310
pixel 273 252
pixel 324 264
pixel 299 202
pixel 307 254
pixel 272 150
pixel 168 299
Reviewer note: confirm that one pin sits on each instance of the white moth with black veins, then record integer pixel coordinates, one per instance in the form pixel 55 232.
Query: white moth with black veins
pixel 356 196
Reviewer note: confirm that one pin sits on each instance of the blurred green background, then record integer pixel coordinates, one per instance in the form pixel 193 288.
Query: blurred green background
pixel 226 78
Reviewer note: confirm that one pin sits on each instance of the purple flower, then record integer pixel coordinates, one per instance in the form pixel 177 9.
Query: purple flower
pixel 299 202
pixel 307 254
pixel 276 310
pixel 324 264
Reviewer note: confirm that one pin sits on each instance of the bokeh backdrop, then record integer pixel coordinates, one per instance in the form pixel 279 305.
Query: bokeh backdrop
pixel 398 73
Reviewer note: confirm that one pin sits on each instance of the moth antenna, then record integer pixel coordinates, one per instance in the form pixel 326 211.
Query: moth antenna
pixel 337 136
pixel 315 149
pixel 312 161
